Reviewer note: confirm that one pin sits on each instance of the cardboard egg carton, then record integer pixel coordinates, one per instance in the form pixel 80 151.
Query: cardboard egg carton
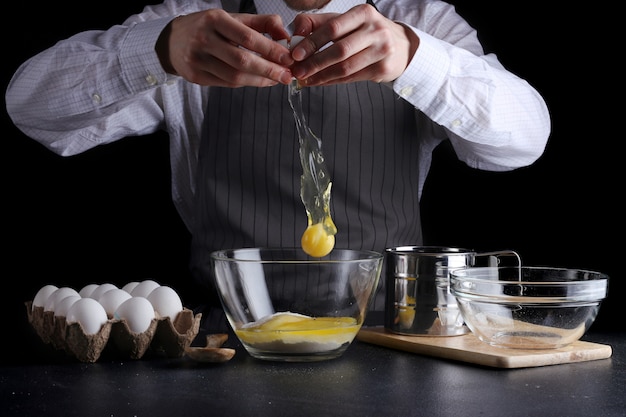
pixel 163 335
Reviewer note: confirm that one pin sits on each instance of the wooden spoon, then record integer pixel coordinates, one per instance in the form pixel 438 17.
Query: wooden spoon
pixel 213 352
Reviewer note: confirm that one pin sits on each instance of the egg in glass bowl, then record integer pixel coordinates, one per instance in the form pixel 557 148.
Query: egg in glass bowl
pixel 284 305
pixel 528 307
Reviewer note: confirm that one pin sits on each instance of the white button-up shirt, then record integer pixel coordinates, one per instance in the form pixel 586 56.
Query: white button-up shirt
pixel 101 86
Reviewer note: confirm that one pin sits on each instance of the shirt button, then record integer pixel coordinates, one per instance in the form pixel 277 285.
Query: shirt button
pixel 96 98
pixel 151 79
pixel 456 123
pixel 406 91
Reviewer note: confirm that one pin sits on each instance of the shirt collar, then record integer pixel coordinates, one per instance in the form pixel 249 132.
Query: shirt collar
pixel 279 7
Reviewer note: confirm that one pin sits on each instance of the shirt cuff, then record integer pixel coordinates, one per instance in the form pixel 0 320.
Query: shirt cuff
pixel 140 64
pixel 421 82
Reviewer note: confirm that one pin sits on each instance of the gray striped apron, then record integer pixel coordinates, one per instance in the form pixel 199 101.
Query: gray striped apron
pixel 248 184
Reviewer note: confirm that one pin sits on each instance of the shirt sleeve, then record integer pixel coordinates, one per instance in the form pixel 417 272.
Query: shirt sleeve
pixel 494 119
pixel 96 86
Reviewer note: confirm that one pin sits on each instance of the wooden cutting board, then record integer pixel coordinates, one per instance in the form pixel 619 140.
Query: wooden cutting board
pixel 468 348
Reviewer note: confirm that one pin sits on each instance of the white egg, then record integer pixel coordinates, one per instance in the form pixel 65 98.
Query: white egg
pixel 58 295
pixel 87 290
pixel 112 299
pixel 138 313
pixel 89 313
pixel 43 294
pixel 61 307
pixel 130 286
pixel 102 288
pixel 144 288
pixel 166 302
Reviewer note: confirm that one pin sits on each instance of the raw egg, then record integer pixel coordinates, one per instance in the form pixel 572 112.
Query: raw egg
pixel 112 299
pixel 87 290
pixel 130 286
pixel 102 288
pixel 43 294
pixel 166 302
pixel 138 313
pixel 144 288
pixel 286 331
pixel 89 313
pixel 61 307
pixel 316 241
pixel 58 295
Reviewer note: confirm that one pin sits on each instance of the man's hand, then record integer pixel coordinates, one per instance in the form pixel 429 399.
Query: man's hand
pixel 215 48
pixel 365 46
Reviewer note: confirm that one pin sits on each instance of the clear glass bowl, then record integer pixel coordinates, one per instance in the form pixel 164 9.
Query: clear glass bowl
pixel 284 305
pixel 528 307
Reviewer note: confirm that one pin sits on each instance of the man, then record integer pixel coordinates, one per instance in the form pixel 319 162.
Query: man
pixel 386 82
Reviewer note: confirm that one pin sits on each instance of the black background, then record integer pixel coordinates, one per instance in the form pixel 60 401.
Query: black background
pixel 107 216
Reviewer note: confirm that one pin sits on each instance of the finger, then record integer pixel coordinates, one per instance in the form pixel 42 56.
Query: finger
pixel 314 38
pixel 359 67
pixel 330 77
pixel 247 51
pixel 269 24
pixel 345 56
pixel 205 48
pixel 215 72
pixel 321 29
pixel 242 67
pixel 241 60
pixel 251 35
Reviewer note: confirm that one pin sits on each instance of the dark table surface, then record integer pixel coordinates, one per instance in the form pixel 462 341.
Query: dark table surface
pixel 368 380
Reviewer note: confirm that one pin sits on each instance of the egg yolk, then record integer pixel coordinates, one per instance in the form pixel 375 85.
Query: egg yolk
pixel 289 328
pixel 317 241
